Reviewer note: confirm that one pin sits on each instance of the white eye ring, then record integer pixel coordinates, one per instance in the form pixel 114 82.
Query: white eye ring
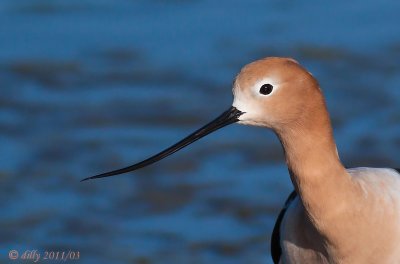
pixel 266 89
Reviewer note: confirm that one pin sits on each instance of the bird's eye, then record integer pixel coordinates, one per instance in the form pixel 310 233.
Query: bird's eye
pixel 266 89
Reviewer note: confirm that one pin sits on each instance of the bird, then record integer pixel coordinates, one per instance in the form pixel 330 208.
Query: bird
pixel 334 214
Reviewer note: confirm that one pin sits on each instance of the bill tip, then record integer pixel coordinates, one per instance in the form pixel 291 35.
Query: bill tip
pixel 86 179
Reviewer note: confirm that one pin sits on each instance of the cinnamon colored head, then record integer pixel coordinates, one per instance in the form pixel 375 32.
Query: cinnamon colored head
pixel 272 92
pixel 275 92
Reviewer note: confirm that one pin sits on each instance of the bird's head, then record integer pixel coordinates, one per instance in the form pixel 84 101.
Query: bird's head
pixel 272 92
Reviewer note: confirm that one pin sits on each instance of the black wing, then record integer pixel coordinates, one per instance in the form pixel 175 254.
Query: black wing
pixel 276 250
pixel 398 170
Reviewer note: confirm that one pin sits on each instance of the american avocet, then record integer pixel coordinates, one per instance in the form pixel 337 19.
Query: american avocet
pixel 335 215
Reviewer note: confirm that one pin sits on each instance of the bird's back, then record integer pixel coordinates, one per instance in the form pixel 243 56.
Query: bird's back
pixel 369 232
pixel 378 184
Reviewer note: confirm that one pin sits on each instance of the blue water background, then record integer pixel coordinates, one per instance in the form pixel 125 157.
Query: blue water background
pixel 92 85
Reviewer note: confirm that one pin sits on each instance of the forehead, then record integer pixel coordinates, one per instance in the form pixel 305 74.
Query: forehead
pixel 277 69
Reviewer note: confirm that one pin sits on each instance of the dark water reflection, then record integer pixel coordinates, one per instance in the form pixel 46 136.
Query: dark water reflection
pixel 88 86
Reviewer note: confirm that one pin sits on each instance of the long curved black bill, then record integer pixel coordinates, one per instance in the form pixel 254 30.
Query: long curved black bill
pixel 228 117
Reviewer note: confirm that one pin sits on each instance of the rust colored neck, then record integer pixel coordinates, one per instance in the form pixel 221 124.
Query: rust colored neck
pixel 314 165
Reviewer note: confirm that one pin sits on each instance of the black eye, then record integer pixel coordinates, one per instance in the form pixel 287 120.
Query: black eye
pixel 266 89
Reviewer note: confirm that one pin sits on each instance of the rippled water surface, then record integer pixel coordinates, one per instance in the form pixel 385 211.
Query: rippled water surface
pixel 87 86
